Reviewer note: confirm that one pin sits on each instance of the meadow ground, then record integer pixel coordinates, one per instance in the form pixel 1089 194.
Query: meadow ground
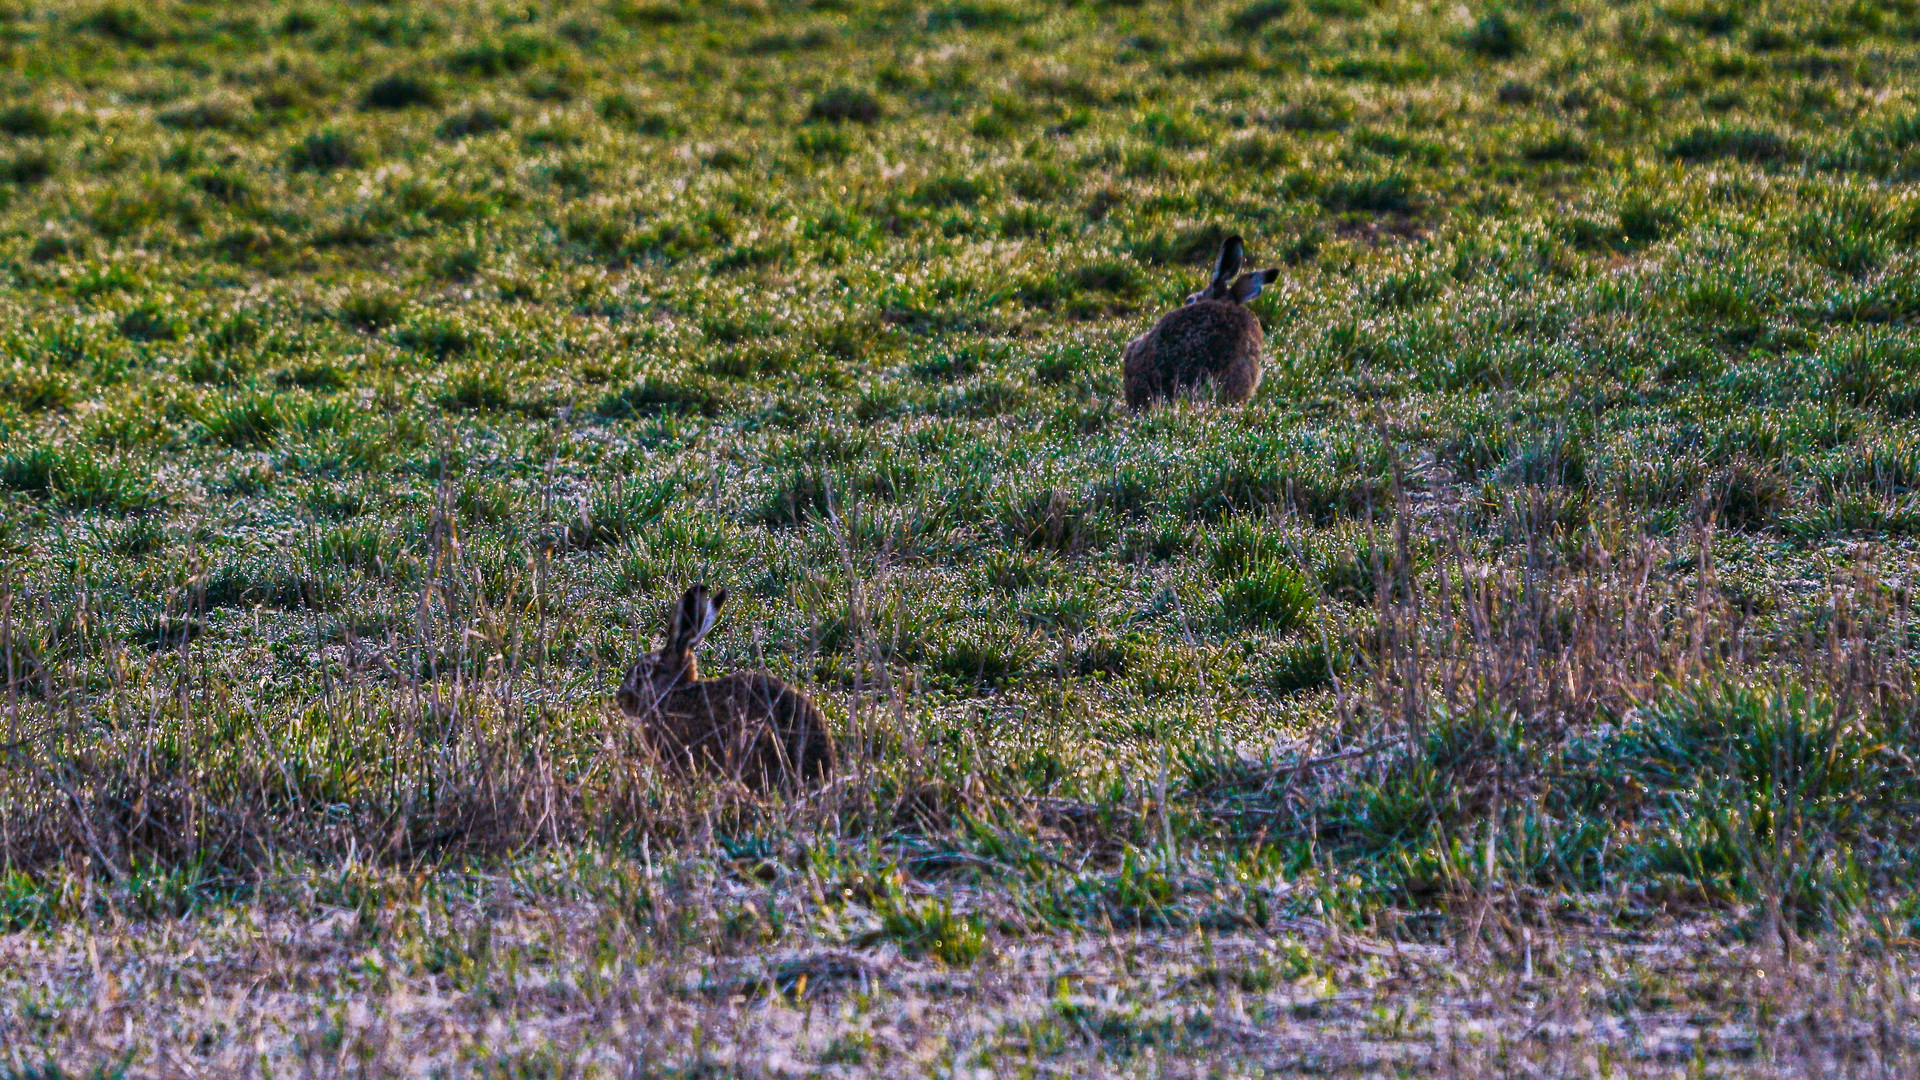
pixel 1522 684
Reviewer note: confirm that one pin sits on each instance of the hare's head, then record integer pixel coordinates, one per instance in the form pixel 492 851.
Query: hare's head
pixel 656 674
pixel 1225 286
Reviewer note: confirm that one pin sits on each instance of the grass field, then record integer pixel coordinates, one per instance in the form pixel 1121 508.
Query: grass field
pixel 1523 683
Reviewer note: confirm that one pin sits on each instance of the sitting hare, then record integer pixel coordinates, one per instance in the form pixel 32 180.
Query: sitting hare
pixel 1212 339
pixel 748 725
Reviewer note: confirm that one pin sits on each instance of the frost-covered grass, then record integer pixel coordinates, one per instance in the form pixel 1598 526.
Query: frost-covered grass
pixel 374 375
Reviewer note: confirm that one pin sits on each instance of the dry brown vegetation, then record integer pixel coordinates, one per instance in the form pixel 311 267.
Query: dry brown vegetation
pixel 502 977
pixel 446 871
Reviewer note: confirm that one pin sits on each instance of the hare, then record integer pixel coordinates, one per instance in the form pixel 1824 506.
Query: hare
pixel 748 725
pixel 1211 339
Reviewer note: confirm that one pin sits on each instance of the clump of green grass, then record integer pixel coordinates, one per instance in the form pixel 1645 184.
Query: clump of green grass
pixel 931 928
pixel 1497 36
pixel 400 91
pixel 845 103
pixel 28 120
pixel 77 478
pixel 1741 143
pixel 328 151
pixel 622 511
pixel 1268 594
pixel 652 396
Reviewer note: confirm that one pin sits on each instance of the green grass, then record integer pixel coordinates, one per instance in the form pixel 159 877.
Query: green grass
pixel 377 374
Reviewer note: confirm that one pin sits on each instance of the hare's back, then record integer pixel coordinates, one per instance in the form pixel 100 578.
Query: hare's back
pixel 749 695
pixel 1205 336
pixel 752 724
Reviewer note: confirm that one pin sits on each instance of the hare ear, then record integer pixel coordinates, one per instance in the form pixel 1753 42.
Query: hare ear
pixel 1232 254
pixel 691 619
pixel 1249 285
pixel 694 617
pixel 709 611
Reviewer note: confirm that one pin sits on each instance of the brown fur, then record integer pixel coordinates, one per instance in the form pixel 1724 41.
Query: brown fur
pixel 1213 342
pixel 749 725
pixel 1207 342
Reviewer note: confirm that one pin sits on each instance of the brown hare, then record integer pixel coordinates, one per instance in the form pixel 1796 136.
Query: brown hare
pixel 748 725
pixel 1212 340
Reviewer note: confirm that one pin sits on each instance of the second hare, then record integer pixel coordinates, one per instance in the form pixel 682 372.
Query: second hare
pixel 748 725
pixel 1211 341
